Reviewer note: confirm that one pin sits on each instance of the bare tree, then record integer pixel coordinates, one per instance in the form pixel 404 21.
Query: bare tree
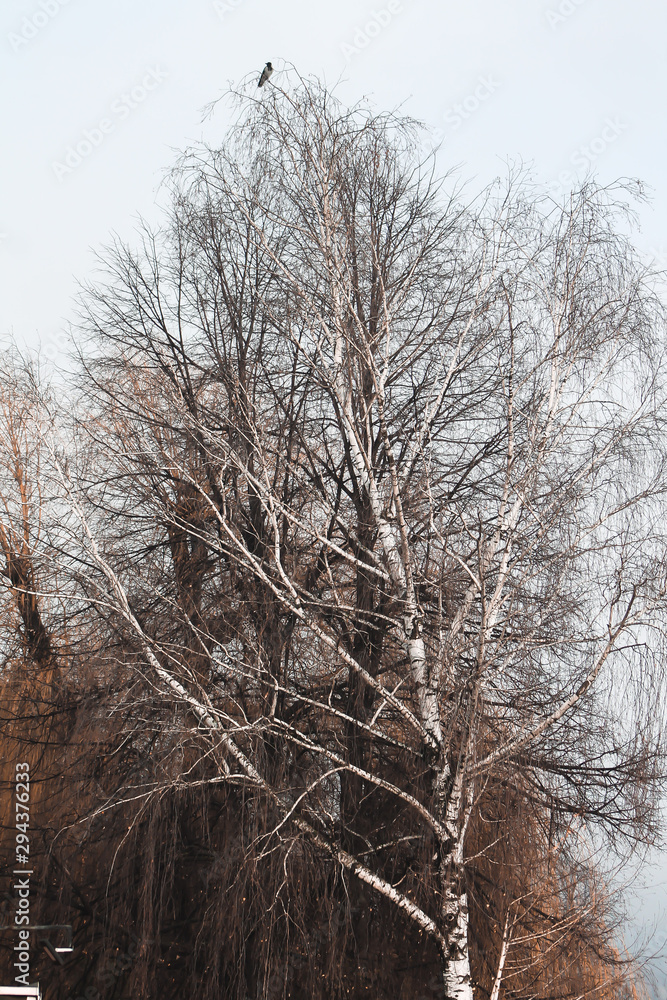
pixel 370 486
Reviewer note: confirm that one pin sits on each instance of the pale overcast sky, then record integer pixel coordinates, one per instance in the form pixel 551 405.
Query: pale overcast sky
pixel 566 85
pixel 562 84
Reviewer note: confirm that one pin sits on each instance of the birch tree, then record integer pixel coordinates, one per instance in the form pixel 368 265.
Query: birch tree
pixel 419 447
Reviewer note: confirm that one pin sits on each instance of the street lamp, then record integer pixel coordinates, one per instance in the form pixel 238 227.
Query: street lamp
pixel 55 953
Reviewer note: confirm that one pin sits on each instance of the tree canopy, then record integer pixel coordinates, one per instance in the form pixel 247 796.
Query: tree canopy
pixel 335 581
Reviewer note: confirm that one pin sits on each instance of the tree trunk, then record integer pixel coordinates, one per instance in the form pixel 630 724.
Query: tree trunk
pixel 457 964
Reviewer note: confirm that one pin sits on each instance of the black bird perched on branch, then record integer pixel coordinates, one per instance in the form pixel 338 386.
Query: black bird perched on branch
pixel 266 73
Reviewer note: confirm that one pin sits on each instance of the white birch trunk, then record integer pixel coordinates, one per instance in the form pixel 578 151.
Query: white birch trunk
pixel 399 572
pixel 495 992
pixel 455 909
pixel 457 964
pixel 426 697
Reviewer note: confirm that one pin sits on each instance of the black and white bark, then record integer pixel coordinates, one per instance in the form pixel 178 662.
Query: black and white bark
pixel 419 448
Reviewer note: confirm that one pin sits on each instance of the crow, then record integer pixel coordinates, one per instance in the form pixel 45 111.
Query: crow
pixel 266 73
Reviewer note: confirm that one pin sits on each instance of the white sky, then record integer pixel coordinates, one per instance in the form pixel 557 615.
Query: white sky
pixel 569 83
pixel 554 80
